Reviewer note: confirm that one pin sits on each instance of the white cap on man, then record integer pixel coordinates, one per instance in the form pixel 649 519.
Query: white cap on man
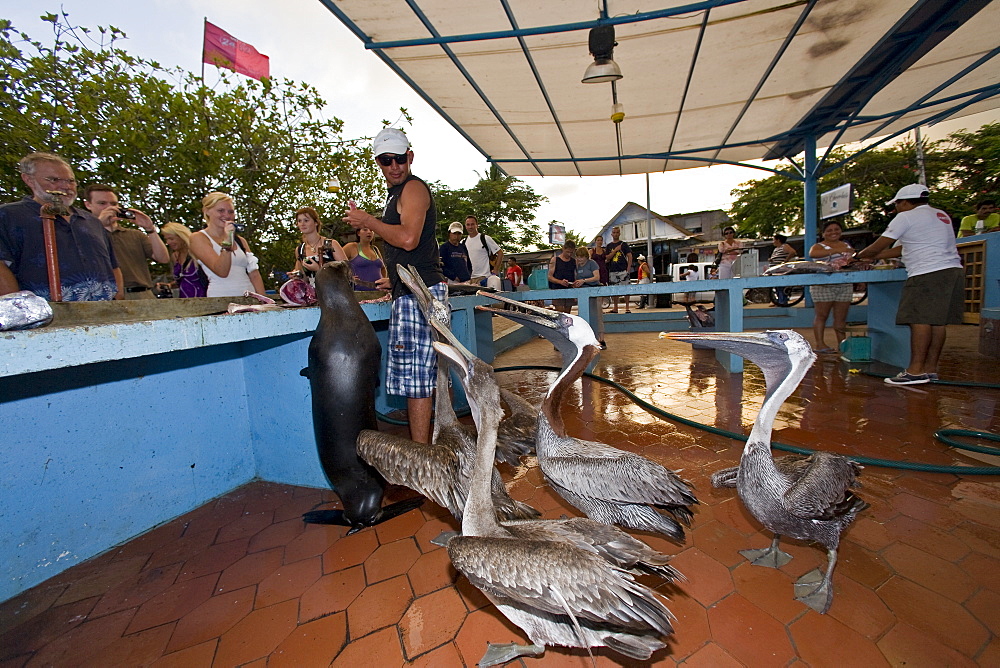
pixel 642 257
pixel 390 140
pixel 912 191
pixel 456 227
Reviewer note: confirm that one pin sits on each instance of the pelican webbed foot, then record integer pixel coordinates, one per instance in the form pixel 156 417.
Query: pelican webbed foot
pixel 814 590
pixel 499 654
pixel 770 557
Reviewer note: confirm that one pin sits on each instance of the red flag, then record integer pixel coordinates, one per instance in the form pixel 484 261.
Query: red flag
pixel 223 50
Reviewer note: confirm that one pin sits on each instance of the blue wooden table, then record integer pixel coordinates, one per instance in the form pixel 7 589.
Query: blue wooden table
pixel 890 342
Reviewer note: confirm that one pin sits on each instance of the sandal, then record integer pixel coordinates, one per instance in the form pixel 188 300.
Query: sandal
pixel 627 311
pixel 614 310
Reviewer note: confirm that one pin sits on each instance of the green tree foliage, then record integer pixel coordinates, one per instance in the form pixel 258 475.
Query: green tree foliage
pixel 504 206
pixel 976 163
pixel 960 169
pixel 164 140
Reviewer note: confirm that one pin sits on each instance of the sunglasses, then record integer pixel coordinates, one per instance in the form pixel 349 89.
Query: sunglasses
pixel 386 159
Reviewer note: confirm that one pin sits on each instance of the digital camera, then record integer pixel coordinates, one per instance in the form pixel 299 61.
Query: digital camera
pixel 124 213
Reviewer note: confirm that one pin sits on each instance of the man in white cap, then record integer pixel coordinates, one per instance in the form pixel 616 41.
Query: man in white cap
pixel 407 227
pixel 644 279
pixel 933 293
pixel 455 260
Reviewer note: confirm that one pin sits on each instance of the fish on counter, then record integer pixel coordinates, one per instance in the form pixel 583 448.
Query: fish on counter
pixel 799 267
pixel 23 310
pixel 813 267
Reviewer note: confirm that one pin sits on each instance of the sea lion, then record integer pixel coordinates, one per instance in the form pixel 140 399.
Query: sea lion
pixel 344 359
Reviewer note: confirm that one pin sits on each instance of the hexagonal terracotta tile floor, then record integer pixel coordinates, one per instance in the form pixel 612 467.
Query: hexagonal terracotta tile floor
pixel 241 581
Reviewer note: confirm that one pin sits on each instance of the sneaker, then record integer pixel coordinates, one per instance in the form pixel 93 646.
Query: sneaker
pixel 903 378
pixel 932 377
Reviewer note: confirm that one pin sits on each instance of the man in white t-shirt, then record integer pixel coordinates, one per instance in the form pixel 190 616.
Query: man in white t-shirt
pixel 481 247
pixel 932 296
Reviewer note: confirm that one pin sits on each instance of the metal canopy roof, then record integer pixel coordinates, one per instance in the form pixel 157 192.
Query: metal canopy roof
pixel 709 81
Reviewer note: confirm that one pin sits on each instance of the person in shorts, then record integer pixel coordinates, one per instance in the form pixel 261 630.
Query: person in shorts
pixel 619 265
pixel 407 227
pixel 933 294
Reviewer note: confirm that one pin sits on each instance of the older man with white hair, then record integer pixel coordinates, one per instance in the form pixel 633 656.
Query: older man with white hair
pixel 88 268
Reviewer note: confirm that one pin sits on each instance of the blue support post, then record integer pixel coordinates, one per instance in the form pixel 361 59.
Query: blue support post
pixel 729 318
pixel 589 308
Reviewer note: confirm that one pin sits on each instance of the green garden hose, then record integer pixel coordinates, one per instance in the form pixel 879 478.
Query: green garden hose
pixel 870 461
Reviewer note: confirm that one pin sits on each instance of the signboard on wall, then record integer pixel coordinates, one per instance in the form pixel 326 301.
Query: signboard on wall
pixel 836 202
pixel 557 234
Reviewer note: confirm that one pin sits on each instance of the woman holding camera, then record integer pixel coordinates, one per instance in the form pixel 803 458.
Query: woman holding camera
pixel 315 249
pixel 224 255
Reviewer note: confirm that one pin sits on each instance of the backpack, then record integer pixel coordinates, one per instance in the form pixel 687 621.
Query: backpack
pixel 492 256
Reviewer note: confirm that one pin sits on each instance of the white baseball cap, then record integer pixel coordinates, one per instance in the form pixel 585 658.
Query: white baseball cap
pixel 912 191
pixel 390 140
pixel 642 257
pixel 456 227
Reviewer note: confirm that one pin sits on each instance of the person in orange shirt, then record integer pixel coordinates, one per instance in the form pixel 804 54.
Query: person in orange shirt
pixel 644 279
pixel 514 273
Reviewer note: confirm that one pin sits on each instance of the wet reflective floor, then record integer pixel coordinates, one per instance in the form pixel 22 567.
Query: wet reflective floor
pixel 242 581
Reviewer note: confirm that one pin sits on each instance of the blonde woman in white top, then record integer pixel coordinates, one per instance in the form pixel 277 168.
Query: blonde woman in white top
pixel 225 256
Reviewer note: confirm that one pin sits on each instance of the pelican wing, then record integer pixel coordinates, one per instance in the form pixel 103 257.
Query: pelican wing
pixel 600 471
pixel 609 542
pixel 428 469
pixel 560 579
pixel 820 485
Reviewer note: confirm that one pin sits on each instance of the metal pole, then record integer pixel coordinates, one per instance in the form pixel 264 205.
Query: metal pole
pixel 922 178
pixel 649 230
pixel 809 193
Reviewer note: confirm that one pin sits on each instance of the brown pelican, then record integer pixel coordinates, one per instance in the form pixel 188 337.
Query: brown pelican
pixel 805 497
pixel 609 485
pixel 559 588
pixel 439 470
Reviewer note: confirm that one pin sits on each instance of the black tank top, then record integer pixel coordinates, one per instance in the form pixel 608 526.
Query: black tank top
pixel 424 257
pixel 565 269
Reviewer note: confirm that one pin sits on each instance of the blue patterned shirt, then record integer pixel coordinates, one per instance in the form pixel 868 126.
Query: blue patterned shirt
pixel 86 257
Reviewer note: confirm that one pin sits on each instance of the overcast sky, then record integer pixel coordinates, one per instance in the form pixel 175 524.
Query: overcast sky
pixel 305 42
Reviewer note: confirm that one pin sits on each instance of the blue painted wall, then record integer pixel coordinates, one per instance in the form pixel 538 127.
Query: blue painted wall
pixel 112 430
pixel 103 452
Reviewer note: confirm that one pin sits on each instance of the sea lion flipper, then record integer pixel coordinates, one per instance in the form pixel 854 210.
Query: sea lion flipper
pixel 325 517
pixel 399 508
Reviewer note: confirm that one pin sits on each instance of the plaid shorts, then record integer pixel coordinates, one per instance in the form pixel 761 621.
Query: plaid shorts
pixel 837 292
pixel 412 365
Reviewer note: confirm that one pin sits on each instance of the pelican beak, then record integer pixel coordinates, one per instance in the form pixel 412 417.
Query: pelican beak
pixel 708 338
pixel 451 339
pixel 460 358
pixel 527 314
pixel 411 280
pixel 743 344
